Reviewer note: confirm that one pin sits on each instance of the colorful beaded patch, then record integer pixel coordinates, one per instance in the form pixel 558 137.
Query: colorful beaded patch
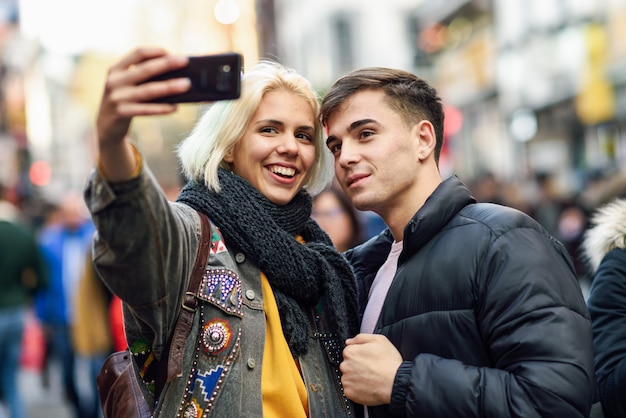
pixel 222 288
pixel 217 242
pixel 145 360
pixel 192 410
pixel 203 386
pixel 216 335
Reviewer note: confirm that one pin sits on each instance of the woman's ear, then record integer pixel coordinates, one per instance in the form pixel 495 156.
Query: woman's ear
pixel 228 157
pixel 427 139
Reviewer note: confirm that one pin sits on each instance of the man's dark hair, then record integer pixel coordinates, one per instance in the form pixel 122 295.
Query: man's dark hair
pixel 413 98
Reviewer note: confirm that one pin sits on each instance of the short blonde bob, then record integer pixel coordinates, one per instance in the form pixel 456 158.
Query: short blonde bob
pixel 223 124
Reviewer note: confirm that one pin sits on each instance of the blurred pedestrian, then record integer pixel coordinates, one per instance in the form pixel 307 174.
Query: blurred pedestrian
pixel 335 214
pixel 95 333
pixel 572 223
pixel 546 208
pixel 65 245
pixel 22 274
pixel 487 188
pixel 604 247
pixel 277 300
pixel 469 309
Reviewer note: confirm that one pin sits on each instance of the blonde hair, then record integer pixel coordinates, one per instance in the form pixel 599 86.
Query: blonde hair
pixel 223 124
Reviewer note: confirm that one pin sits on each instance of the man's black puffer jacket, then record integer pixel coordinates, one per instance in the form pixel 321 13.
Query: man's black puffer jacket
pixel 487 312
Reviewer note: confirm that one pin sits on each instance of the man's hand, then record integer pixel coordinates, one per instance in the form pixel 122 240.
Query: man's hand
pixel 369 366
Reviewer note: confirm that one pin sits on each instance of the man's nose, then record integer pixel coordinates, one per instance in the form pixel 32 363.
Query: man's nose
pixel 348 155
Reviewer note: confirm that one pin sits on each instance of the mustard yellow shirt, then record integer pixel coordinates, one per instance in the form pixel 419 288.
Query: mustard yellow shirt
pixel 282 386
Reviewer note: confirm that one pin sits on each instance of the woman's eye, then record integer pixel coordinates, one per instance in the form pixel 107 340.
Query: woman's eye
pixel 268 130
pixel 305 136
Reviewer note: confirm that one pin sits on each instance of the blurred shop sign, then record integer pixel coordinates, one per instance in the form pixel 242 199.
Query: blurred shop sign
pixel 616 29
pixel 8 11
pixel 595 102
pixel 467 71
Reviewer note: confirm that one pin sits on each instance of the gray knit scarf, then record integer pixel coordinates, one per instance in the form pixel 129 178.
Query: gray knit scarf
pixel 300 275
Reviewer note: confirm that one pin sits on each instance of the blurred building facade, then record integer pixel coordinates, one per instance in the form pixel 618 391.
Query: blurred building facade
pixel 54 66
pixel 530 86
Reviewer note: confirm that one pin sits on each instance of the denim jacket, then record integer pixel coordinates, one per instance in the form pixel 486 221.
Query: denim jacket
pixel 144 250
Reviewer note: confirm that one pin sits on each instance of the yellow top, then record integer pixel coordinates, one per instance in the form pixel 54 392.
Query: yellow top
pixel 282 386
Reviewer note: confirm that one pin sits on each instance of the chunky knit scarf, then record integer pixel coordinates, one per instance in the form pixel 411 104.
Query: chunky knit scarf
pixel 299 274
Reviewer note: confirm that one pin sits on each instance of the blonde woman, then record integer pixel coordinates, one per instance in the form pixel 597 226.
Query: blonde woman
pixel 277 301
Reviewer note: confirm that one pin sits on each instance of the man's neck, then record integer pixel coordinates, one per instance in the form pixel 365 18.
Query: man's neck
pixel 398 218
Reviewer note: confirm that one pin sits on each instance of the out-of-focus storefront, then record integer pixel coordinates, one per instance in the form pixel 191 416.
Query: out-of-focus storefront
pixel 540 85
pixel 14 152
pixel 54 66
pixel 537 84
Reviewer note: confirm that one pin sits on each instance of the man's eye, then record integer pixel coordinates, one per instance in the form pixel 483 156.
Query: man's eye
pixel 334 148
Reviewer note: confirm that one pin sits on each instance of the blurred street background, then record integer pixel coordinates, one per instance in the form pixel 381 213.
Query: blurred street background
pixel 534 92
pixel 43 402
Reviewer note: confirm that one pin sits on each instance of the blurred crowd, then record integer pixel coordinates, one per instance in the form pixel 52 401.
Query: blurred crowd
pixel 566 216
pixel 55 314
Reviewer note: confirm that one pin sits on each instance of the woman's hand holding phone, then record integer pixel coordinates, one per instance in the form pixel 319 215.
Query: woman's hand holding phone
pixel 213 77
pixel 126 95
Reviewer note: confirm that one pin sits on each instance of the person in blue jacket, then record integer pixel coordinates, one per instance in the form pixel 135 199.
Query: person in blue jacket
pixel 65 243
pixel 468 309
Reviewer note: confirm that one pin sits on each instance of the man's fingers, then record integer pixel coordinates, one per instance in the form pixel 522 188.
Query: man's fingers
pixel 363 338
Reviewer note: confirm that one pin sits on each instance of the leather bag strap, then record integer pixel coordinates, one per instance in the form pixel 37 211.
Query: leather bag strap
pixel 189 304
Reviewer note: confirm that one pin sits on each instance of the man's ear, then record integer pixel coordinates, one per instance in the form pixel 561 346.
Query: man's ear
pixel 427 139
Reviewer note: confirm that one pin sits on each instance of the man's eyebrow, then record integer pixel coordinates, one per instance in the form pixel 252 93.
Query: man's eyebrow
pixel 354 125
pixel 357 124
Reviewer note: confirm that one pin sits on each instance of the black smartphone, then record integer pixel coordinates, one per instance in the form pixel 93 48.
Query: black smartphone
pixel 213 77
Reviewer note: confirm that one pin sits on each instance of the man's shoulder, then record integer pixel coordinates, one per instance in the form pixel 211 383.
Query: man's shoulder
pixel 497 219
pixel 496 214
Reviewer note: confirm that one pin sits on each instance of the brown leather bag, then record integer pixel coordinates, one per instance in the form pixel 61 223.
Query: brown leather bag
pixel 120 394
pixel 118 387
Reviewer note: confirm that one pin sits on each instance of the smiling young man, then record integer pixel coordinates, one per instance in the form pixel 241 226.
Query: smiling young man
pixel 468 310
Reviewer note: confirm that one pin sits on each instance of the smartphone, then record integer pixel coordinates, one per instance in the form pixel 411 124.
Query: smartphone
pixel 213 77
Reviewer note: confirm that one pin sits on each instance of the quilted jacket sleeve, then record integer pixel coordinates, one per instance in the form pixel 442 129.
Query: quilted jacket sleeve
pixel 143 250
pixel 607 306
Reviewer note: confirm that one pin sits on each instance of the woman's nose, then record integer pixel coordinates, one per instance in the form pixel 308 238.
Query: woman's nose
pixel 289 144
